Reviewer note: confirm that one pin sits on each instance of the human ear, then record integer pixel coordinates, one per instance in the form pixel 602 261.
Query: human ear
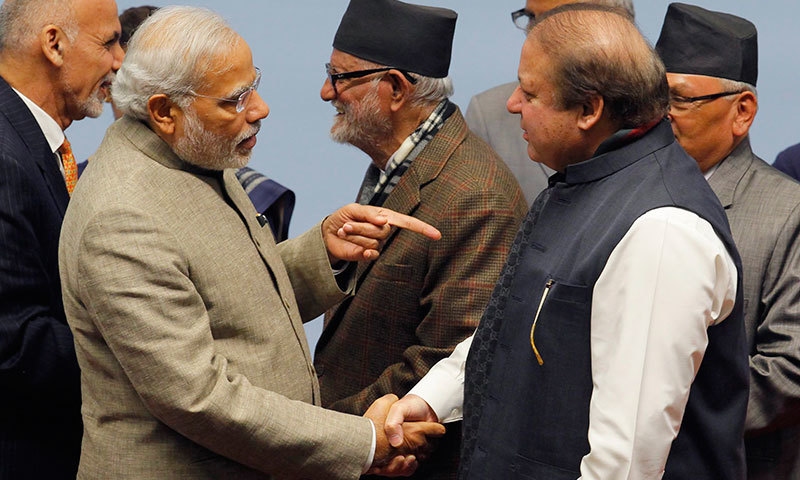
pixel 590 112
pixel 163 113
pixel 53 42
pixel 401 89
pixel 746 108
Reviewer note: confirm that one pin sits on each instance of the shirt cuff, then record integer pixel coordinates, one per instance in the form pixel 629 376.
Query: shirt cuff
pixel 371 456
pixel 443 387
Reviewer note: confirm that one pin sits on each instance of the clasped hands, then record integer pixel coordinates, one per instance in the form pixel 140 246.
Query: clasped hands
pixel 356 232
pixel 401 434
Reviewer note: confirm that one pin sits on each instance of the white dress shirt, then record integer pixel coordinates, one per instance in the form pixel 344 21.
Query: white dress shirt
pixel 50 128
pixel 669 267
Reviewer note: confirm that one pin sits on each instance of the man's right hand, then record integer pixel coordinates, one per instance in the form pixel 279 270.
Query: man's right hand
pixel 411 408
pixel 399 457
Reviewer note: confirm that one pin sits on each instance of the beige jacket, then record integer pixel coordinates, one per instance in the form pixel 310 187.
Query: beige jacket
pixel 188 326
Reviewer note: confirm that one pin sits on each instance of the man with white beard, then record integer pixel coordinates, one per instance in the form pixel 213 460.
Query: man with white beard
pixel 57 61
pixel 187 317
pixel 388 81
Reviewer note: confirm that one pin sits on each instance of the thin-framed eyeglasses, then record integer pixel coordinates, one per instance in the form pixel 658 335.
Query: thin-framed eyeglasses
pixel 333 77
pixel 241 100
pixel 523 19
pixel 679 101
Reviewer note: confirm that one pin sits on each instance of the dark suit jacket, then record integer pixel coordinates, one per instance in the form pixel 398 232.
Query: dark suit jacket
pixel 788 161
pixel 763 208
pixel 40 426
pixel 421 297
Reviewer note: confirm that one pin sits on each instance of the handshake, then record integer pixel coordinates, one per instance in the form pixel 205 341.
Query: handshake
pixel 402 428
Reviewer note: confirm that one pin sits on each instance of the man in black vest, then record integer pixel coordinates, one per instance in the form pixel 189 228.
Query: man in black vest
pixel 613 345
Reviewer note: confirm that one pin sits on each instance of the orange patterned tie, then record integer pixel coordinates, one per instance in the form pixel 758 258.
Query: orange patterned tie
pixel 70 167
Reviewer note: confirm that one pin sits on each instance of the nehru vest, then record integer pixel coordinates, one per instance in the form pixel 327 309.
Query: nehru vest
pixel 531 421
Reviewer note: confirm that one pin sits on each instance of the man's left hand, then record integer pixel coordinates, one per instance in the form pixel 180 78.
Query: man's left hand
pixel 355 232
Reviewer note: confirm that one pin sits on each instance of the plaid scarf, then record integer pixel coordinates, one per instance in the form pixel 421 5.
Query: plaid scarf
pixel 377 184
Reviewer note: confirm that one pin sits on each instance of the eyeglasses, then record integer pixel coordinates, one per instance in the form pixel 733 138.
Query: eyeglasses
pixel 361 73
pixel 680 102
pixel 241 100
pixel 523 19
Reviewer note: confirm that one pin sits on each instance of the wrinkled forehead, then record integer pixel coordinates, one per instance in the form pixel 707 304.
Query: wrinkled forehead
pixel 97 17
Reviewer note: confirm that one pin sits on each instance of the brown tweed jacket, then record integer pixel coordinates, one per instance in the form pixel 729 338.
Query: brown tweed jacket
pixel 421 297
pixel 188 329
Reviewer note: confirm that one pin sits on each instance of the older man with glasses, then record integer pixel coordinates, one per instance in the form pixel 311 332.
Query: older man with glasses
pixel 712 67
pixel 187 317
pixel 488 117
pixel 387 79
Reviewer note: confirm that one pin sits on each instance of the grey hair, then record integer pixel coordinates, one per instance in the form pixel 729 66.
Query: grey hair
pixel 22 20
pixel 626 5
pixel 171 53
pixel 735 86
pixel 427 91
pixel 597 50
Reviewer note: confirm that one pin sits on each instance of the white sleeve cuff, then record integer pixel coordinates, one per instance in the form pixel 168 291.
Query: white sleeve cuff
pixel 371 456
pixel 443 387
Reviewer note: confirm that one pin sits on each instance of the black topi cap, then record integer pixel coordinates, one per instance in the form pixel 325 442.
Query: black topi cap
pixel 408 37
pixel 701 42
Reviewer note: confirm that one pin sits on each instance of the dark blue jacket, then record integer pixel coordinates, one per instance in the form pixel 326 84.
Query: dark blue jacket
pixel 525 420
pixel 40 423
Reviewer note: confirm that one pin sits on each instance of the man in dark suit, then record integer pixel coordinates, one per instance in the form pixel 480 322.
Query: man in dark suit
pixel 788 161
pixel 489 118
pixel 712 68
pixel 57 59
pixel 389 83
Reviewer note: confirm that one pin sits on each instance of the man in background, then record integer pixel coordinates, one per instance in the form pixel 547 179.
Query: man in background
pixel 712 69
pixel 788 161
pixel 388 82
pixel 489 118
pixel 57 61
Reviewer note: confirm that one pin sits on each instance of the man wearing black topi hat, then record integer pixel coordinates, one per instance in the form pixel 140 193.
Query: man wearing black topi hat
pixel 613 346
pixel 712 66
pixel 387 78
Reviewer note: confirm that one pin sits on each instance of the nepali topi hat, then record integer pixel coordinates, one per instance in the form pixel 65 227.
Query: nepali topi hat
pixel 703 42
pixel 408 37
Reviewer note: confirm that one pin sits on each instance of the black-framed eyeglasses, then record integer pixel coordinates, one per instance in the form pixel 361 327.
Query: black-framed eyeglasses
pixel 523 19
pixel 333 77
pixel 241 100
pixel 680 101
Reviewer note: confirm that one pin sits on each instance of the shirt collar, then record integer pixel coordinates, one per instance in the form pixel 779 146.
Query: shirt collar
pixel 50 128
pixel 708 173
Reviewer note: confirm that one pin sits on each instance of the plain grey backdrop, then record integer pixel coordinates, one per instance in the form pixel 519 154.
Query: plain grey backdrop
pixel 291 41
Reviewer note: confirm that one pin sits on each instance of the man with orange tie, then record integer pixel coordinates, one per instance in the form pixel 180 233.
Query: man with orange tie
pixel 57 60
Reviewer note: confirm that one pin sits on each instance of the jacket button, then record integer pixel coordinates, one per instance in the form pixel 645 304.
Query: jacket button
pixel 320 370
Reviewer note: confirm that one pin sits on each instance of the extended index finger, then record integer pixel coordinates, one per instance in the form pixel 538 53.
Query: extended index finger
pixel 411 223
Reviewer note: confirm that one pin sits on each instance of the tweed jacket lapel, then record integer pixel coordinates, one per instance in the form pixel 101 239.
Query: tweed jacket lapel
pixel 730 172
pixel 18 115
pixel 406 195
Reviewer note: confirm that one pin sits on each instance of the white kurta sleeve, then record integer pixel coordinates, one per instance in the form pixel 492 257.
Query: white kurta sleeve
pixel 665 283
pixel 443 386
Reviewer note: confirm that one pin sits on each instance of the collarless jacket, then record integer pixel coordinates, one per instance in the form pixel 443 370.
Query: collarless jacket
pixel 421 297
pixel 763 209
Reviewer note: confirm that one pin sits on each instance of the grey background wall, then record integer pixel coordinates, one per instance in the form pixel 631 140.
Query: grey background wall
pixel 292 40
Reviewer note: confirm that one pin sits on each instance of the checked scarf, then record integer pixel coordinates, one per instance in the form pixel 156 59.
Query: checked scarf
pixel 377 184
